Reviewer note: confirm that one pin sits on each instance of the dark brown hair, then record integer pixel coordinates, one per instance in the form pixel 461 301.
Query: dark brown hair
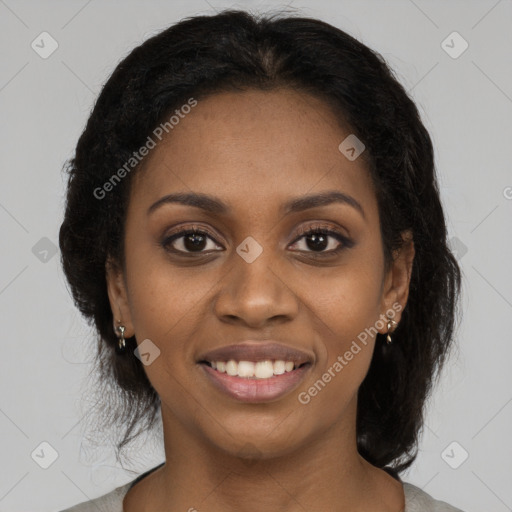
pixel 234 50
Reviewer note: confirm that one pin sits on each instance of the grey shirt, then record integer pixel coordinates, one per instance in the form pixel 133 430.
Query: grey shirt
pixel 416 500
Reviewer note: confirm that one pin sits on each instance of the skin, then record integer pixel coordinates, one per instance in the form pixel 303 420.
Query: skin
pixel 255 151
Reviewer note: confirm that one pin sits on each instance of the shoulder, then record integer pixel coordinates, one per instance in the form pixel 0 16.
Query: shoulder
pixel 111 502
pixel 417 500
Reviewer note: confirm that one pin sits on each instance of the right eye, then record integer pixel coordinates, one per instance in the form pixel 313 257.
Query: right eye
pixel 189 241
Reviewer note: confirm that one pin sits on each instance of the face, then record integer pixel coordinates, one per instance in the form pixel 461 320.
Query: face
pixel 251 274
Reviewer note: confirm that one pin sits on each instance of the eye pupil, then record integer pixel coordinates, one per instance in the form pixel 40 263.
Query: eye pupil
pixel 316 238
pixel 197 241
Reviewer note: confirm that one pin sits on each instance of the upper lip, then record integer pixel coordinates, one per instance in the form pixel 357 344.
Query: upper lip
pixel 257 351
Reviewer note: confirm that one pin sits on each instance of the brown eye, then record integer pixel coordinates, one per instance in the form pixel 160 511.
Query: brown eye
pixel 322 240
pixel 190 241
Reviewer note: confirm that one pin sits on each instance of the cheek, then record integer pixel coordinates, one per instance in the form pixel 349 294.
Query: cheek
pixel 167 310
pixel 347 299
pixel 344 305
pixel 162 299
pixel 169 305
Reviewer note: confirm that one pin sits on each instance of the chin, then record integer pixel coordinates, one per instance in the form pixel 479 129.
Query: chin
pixel 259 439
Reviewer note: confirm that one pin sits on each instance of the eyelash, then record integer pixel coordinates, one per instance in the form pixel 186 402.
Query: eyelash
pixel 324 230
pixel 313 230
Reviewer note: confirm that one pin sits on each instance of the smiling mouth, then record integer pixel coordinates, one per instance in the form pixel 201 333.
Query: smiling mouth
pixel 255 381
pixel 254 369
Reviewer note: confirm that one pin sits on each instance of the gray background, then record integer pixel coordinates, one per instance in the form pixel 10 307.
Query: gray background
pixel 466 104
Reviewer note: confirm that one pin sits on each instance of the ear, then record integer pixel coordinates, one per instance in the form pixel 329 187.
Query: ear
pixel 395 290
pixel 118 297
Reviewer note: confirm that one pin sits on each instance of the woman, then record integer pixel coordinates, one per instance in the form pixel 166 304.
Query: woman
pixel 253 223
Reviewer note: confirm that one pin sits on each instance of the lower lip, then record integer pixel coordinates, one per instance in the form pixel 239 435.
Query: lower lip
pixel 256 390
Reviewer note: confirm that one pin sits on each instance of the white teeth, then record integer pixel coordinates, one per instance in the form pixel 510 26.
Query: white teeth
pixel 250 369
pixel 264 369
pixel 232 368
pixel 279 367
pixel 246 369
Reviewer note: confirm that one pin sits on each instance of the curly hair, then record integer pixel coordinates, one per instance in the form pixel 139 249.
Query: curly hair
pixel 235 51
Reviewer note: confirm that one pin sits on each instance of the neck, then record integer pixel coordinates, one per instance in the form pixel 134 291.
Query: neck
pixel 325 474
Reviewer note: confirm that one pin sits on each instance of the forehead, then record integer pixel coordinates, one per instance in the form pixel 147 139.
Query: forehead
pixel 252 146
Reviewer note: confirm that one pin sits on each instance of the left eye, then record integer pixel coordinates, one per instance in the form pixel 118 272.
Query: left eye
pixel 317 240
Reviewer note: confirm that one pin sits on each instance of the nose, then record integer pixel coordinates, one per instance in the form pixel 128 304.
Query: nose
pixel 256 294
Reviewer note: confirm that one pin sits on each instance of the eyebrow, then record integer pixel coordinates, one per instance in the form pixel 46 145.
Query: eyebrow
pixel 322 199
pixel 214 205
